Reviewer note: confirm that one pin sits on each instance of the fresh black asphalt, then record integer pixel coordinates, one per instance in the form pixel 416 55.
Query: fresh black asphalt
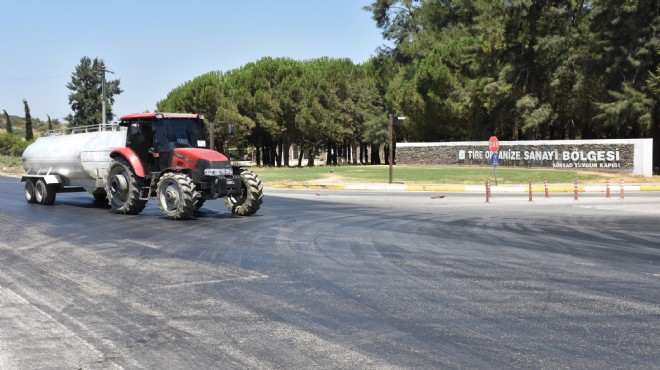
pixel 344 280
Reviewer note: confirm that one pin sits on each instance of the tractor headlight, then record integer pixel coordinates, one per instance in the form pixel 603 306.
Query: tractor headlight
pixel 218 172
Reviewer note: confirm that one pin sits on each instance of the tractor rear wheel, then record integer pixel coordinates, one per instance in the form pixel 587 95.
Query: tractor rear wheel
pixel 251 197
pixel 44 194
pixel 123 188
pixel 177 196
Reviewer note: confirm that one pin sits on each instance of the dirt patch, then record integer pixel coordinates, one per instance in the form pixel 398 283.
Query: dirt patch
pixel 11 171
pixel 328 180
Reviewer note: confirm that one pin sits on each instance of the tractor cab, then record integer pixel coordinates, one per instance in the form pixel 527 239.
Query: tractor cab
pixel 154 137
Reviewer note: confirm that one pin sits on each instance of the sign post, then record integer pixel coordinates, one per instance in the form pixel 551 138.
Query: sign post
pixel 494 146
pixel 392 121
pixel 391 153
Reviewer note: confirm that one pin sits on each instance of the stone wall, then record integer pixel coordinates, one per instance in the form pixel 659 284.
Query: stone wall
pixel 623 156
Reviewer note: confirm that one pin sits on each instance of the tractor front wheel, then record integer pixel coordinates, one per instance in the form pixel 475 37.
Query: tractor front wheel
pixel 177 196
pixel 251 197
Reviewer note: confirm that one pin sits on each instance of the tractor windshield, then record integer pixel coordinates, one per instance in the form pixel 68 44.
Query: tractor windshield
pixel 179 133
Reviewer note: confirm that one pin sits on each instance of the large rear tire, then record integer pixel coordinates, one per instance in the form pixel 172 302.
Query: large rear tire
pixel 123 188
pixel 251 197
pixel 30 192
pixel 177 196
pixel 44 194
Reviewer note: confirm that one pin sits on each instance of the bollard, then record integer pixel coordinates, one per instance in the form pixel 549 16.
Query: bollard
pixel 487 190
pixel 607 189
pixel 530 191
pixel 545 184
pixel 622 191
pixel 575 190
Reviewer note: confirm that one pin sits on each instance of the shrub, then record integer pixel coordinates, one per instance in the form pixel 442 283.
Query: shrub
pixel 12 145
pixel 19 147
pixel 7 140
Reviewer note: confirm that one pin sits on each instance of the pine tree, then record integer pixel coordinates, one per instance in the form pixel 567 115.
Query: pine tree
pixel 85 98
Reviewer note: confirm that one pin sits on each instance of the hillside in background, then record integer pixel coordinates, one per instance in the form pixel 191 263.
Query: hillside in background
pixel 39 127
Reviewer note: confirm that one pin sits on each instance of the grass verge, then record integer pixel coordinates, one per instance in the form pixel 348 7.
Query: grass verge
pixel 406 174
pixel 11 165
pixel 434 175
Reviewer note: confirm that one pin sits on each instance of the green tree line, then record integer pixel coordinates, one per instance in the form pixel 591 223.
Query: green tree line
pixel 524 69
pixel 278 102
pixel 459 70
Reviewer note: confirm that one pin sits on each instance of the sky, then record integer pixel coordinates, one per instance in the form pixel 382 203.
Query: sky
pixel 153 46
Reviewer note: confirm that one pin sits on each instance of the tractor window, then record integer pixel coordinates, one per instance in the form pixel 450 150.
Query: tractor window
pixel 179 133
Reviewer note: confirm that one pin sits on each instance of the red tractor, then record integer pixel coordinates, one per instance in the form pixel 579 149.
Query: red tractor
pixel 166 156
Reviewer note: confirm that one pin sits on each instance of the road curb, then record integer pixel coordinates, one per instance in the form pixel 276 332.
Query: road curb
pixel 568 188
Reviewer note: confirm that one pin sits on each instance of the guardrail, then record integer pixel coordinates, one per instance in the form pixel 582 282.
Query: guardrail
pixel 84 129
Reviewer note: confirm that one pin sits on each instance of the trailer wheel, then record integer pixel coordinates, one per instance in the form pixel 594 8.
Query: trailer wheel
pixel 123 188
pixel 29 191
pixel 177 196
pixel 44 194
pixel 249 202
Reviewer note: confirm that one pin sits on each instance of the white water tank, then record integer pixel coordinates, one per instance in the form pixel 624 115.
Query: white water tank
pixel 83 156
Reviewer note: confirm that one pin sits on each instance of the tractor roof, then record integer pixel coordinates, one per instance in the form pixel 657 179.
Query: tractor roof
pixel 160 115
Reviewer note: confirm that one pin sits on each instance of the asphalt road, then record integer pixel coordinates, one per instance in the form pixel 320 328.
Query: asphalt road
pixel 333 280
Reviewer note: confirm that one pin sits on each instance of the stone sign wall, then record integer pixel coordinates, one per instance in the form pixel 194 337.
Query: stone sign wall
pixel 623 156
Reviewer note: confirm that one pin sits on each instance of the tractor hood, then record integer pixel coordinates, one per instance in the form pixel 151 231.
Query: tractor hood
pixel 193 155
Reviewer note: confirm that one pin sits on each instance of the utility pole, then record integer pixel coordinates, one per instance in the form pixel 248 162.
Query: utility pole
pixel 103 70
pixel 212 135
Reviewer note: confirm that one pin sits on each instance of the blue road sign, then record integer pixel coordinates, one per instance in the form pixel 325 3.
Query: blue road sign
pixel 495 159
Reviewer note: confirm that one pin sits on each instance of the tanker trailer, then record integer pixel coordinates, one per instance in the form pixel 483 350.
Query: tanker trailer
pixel 77 161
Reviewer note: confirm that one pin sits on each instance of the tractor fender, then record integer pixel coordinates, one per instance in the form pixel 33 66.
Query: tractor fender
pixel 132 158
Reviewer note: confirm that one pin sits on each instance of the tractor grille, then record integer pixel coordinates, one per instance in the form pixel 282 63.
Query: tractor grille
pixel 226 185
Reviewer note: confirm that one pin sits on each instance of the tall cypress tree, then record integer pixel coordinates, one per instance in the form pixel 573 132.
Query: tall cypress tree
pixel 9 129
pixel 28 122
